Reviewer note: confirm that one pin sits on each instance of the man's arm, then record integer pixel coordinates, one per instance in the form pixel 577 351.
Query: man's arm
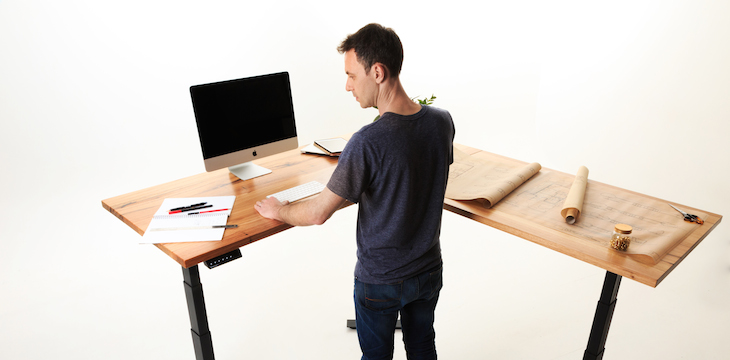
pixel 314 211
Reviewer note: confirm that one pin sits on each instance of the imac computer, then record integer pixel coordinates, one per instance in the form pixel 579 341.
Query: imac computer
pixel 243 120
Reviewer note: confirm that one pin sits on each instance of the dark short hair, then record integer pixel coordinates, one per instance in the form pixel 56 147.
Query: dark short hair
pixel 375 44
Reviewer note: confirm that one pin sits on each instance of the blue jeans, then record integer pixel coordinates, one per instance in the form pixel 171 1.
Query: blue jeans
pixel 377 308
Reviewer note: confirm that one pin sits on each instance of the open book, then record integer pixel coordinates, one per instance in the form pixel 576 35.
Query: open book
pixel 329 147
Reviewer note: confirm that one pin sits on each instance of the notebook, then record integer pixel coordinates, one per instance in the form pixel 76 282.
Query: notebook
pixel 333 146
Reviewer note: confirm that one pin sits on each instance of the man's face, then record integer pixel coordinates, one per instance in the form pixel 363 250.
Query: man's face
pixel 363 86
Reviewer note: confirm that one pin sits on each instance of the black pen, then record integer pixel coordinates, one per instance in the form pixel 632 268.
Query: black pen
pixel 209 211
pixel 196 208
pixel 187 207
pixel 190 209
pixel 195 227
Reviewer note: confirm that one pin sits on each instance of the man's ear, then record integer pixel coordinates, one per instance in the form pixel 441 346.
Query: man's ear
pixel 380 72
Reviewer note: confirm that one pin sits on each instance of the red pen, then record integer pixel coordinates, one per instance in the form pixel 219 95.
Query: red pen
pixel 202 212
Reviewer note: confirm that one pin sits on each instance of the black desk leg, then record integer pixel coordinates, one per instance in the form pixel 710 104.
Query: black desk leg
pixel 602 320
pixel 202 342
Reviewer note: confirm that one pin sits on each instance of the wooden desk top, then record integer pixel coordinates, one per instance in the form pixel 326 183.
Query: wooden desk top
pixel 290 169
pixel 293 168
pixel 559 237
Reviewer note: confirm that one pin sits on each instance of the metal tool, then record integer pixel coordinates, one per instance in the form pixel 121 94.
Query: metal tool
pixel 689 217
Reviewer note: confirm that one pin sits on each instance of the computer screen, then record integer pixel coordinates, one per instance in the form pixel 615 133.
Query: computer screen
pixel 244 119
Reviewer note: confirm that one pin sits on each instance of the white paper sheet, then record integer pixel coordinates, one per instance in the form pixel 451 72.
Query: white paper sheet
pixel 163 220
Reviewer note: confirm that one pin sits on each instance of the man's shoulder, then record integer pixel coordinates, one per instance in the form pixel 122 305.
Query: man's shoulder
pixel 364 137
pixel 365 131
pixel 435 111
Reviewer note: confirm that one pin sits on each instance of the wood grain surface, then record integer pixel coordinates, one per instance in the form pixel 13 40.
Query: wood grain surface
pixel 289 169
pixel 568 243
pixel 293 168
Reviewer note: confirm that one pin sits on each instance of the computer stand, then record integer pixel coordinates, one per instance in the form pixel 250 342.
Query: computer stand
pixel 248 170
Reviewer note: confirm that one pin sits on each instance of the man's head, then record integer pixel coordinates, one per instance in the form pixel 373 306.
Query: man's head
pixel 371 48
pixel 376 44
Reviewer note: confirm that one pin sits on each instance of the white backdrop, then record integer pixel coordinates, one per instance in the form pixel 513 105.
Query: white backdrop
pixel 94 103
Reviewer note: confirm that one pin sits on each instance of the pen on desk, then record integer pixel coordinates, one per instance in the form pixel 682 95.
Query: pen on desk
pixel 195 227
pixel 209 211
pixel 190 209
pixel 187 207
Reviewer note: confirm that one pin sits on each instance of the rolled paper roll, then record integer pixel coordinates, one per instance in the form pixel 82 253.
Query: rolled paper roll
pixel 574 202
pixel 571 215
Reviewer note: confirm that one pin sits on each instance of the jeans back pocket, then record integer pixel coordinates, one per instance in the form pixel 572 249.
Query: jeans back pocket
pixel 381 297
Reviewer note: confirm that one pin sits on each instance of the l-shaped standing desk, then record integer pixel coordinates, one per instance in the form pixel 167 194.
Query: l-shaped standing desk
pixel 293 168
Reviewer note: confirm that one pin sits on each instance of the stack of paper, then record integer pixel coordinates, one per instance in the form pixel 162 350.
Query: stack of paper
pixel 187 226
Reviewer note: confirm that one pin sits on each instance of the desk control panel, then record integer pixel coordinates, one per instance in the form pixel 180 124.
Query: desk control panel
pixel 220 260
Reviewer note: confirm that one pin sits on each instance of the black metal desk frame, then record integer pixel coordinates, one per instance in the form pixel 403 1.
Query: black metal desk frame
pixel 203 343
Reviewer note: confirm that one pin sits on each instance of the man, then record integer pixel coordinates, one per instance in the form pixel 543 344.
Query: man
pixel 396 170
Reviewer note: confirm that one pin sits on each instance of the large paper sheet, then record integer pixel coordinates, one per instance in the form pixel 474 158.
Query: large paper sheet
pixel 657 228
pixel 486 181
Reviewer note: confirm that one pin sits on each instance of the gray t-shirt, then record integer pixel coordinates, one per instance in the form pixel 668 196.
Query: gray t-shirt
pixel 396 169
